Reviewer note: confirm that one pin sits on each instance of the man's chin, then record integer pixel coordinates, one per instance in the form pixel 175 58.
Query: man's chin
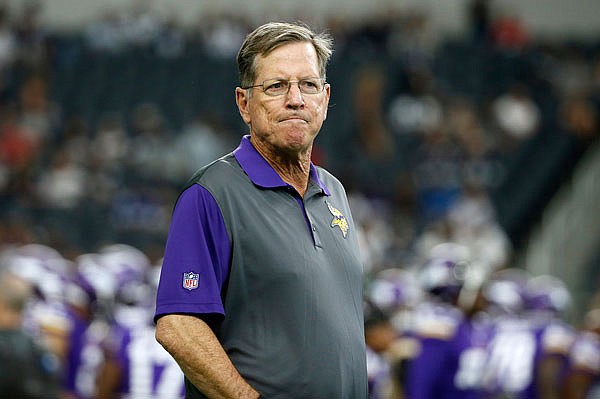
pixel 298 140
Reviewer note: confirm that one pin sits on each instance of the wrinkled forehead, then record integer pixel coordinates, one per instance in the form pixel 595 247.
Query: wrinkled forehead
pixel 295 59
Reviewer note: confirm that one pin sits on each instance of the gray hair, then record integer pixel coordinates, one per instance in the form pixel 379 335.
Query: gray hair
pixel 270 36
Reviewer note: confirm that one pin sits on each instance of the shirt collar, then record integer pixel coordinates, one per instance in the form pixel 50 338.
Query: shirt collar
pixel 259 170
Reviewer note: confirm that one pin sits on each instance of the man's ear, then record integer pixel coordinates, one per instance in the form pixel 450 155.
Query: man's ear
pixel 242 100
pixel 328 96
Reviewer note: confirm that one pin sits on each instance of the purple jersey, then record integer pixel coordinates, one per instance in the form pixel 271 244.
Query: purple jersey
pixel 378 373
pixel 76 340
pixel 516 350
pixel 451 361
pixel 512 356
pixel 148 371
pixel 91 356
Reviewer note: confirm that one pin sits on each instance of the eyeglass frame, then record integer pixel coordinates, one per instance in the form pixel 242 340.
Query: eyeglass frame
pixel 289 82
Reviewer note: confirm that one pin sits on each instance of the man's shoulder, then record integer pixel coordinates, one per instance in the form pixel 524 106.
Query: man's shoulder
pixel 327 179
pixel 218 168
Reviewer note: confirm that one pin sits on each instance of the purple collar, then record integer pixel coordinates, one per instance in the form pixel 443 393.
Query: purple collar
pixel 259 170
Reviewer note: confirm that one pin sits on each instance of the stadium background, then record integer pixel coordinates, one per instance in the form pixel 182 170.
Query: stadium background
pixel 157 79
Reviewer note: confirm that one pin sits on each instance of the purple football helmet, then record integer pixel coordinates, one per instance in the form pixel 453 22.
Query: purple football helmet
pixel 506 291
pixel 445 270
pixel 548 293
pixel 129 269
pixel 393 289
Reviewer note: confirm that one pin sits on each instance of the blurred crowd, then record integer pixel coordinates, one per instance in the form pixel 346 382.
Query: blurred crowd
pixel 99 128
pixel 430 135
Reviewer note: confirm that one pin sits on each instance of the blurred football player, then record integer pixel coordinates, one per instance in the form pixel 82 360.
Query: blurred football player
pixel 27 369
pixel 391 297
pixel 583 372
pixel 530 341
pixel 451 358
pixel 135 365
pixel 548 300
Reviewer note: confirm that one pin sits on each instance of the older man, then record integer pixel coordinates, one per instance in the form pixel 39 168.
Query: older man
pixel 260 290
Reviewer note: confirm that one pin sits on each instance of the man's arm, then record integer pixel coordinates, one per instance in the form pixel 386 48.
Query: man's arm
pixel 548 377
pixel 578 385
pixel 200 355
pixel 108 380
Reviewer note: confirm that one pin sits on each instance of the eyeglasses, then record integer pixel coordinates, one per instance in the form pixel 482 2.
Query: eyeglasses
pixel 280 87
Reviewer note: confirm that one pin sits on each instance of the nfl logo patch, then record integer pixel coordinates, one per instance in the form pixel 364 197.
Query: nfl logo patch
pixel 190 280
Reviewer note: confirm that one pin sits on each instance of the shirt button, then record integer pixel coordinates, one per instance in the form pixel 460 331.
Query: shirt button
pixel 314 228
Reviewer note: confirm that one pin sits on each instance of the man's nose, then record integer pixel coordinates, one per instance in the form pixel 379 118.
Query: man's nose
pixel 294 95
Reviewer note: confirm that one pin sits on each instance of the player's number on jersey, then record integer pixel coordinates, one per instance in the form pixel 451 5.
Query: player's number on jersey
pixel 470 368
pixel 154 373
pixel 511 360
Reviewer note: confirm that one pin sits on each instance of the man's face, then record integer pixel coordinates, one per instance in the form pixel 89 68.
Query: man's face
pixel 289 122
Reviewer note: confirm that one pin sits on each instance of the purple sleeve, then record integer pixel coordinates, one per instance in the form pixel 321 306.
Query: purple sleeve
pixel 196 259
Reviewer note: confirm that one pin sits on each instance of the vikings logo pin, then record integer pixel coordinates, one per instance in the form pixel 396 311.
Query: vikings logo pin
pixel 339 219
pixel 190 280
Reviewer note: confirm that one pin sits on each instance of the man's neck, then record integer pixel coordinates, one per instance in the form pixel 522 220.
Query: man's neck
pixel 296 177
pixel 293 168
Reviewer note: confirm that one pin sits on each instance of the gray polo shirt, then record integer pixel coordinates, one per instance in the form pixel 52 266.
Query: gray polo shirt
pixel 283 271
